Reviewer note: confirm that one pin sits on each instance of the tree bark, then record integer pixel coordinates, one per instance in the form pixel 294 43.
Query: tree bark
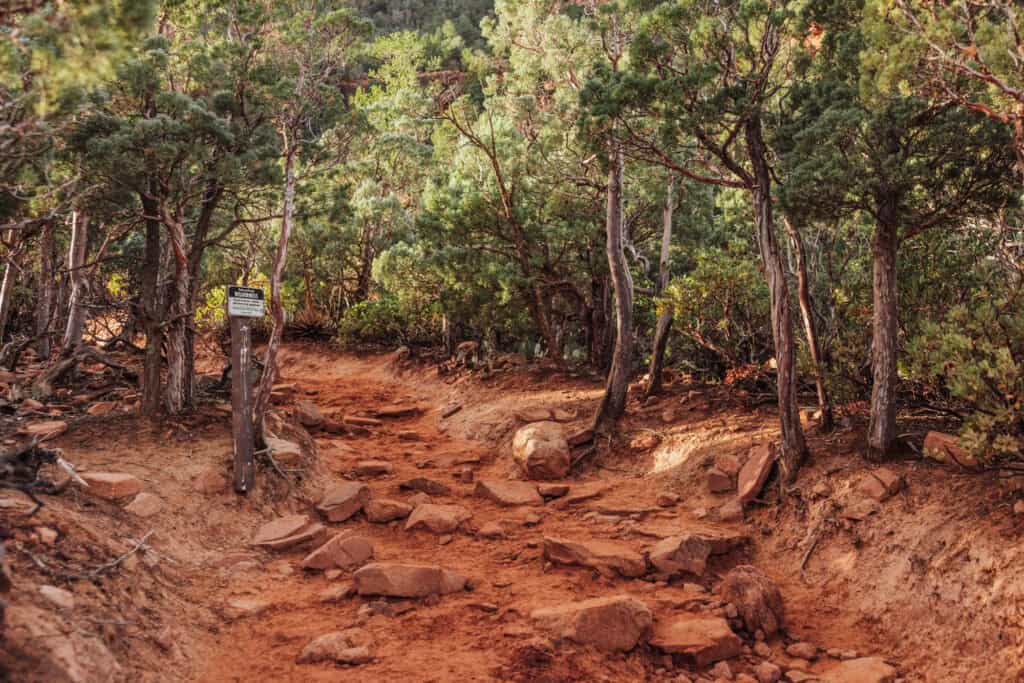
pixel 882 426
pixel 7 293
pixel 150 308
pixel 810 325
pixel 47 288
pixel 793 447
pixel 276 306
pixel 76 261
pixel 613 404
pixel 661 330
pixel 177 392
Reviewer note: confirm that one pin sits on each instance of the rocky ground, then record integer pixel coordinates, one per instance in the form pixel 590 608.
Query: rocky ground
pixel 459 527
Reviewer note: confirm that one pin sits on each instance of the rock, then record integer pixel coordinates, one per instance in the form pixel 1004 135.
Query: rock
pixel 284 451
pixel 210 481
pixel 101 408
pixel 860 510
pixel 719 481
pixel 562 415
pixel 491 530
pixel 667 499
pixel 427 486
pixel 880 484
pixel 645 442
pixel 351 646
pixel 601 555
pixel 145 505
pixel 799 676
pixel 112 485
pixel 541 451
pixel 58 653
pixel 359 421
pixel 689 552
pixel 440 519
pixel 700 639
pixel 821 490
pixel 58 597
pixel 862 670
pixel 398 411
pixel 802 651
pixel 344 500
pixel 239 608
pixel 420 498
pixel 336 593
pixel 756 597
pixel 614 623
pixel 755 472
pixel 582 493
pixel 668 416
pixel 584 436
pixel 343 551
pixel 332 426
pixel 761 648
pixel 531 519
pixel 509 493
pixel 745 678
pixel 722 670
pixel 288 532
pixel 399 580
pixel 409 435
pixel 47 536
pixel 533 415
pixel 731 511
pixel 372 468
pixel 381 510
pixel 728 463
pixel 552 490
pixel 1018 507
pixel 767 672
pixel 50 429
pixel 946 448
pixel 29 403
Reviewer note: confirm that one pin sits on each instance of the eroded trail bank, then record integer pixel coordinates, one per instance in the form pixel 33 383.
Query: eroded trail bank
pixel 626 569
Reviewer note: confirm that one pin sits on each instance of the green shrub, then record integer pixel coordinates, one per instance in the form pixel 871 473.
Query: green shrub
pixel 386 322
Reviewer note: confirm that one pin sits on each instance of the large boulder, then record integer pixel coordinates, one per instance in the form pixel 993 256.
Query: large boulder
pixel 756 597
pixel 342 552
pixel 689 552
pixel 509 493
pixel 344 500
pixel 398 580
pixel 614 623
pixel 700 639
pixel 605 556
pixel 541 451
pixel 440 519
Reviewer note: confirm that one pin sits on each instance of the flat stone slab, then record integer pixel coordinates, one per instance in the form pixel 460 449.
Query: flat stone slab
pixel 372 468
pixel 342 552
pixel 398 580
pixel 861 670
pixel 701 639
pixel 615 623
pixel 689 551
pixel 381 510
pixel 288 532
pixel 605 556
pixel 440 519
pixel 112 485
pixel 509 493
pixel 344 500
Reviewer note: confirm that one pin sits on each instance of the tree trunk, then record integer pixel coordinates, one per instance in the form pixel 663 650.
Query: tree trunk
pixel 661 331
pixel 177 392
pixel 882 426
pixel 276 306
pixel 7 293
pixel 793 447
pixel 613 404
pixel 47 288
pixel 150 309
pixel 211 198
pixel 76 261
pixel 810 326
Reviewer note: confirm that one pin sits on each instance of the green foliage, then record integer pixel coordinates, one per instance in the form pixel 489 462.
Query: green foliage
pixel 385 322
pixel 977 353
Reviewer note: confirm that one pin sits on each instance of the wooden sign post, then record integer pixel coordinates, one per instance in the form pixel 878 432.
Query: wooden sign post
pixel 244 304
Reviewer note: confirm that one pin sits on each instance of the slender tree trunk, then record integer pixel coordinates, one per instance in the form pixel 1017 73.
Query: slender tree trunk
pixel 76 261
pixel 810 325
pixel 6 294
pixel 177 392
pixel 793 447
pixel 150 309
pixel 211 198
pixel 276 305
pixel 613 404
pixel 47 287
pixel 882 426
pixel 661 331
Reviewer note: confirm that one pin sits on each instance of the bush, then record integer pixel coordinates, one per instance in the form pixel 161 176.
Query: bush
pixel 385 322
pixel 977 353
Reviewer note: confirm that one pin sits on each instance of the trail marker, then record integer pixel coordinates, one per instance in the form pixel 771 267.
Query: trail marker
pixel 244 304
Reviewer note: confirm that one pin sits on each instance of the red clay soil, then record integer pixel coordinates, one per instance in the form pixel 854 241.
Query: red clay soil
pixel 930 581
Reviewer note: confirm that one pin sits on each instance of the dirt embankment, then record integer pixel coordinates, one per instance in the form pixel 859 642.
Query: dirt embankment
pixel 923 575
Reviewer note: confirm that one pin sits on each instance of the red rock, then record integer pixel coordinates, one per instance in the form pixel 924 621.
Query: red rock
pixel 731 511
pixel 399 580
pixel 284 451
pixel 768 672
pixel 45 430
pixel 689 552
pixel 728 463
pixel 308 414
pixel 343 551
pixel 111 485
pixel 372 468
pixel 719 481
pixel 614 623
pixel 946 448
pixel 552 490
pixel 210 481
pixel 398 411
pixel 439 519
pixel 880 484
pixel 31 404
pixel 755 472
pixel 862 670
pixel 701 639
pixel 541 451
pixel 289 532
pixel 344 500
pixel 509 493
pixel 145 505
pixel 351 646
pixel 802 650
pixel 427 486
pixel 604 556
pixel 381 510
pixel 756 597
pixel 534 415
pixel 101 408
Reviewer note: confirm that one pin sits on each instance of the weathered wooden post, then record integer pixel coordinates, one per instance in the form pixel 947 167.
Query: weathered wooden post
pixel 244 303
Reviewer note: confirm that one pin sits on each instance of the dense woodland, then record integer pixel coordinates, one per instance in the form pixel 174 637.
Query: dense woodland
pixel 817 197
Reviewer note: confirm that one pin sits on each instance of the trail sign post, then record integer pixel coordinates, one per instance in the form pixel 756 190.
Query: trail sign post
pixel 244 304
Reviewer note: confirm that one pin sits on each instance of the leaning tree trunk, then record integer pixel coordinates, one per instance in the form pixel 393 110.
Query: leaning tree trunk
pixel 276 305
pixel 810 326
pixel 882 426
pixel 793 447
pixel 665 317
pixel 7 293
pixel 151 311
pixel 613 404
pixel 47 288
pixel 76 270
